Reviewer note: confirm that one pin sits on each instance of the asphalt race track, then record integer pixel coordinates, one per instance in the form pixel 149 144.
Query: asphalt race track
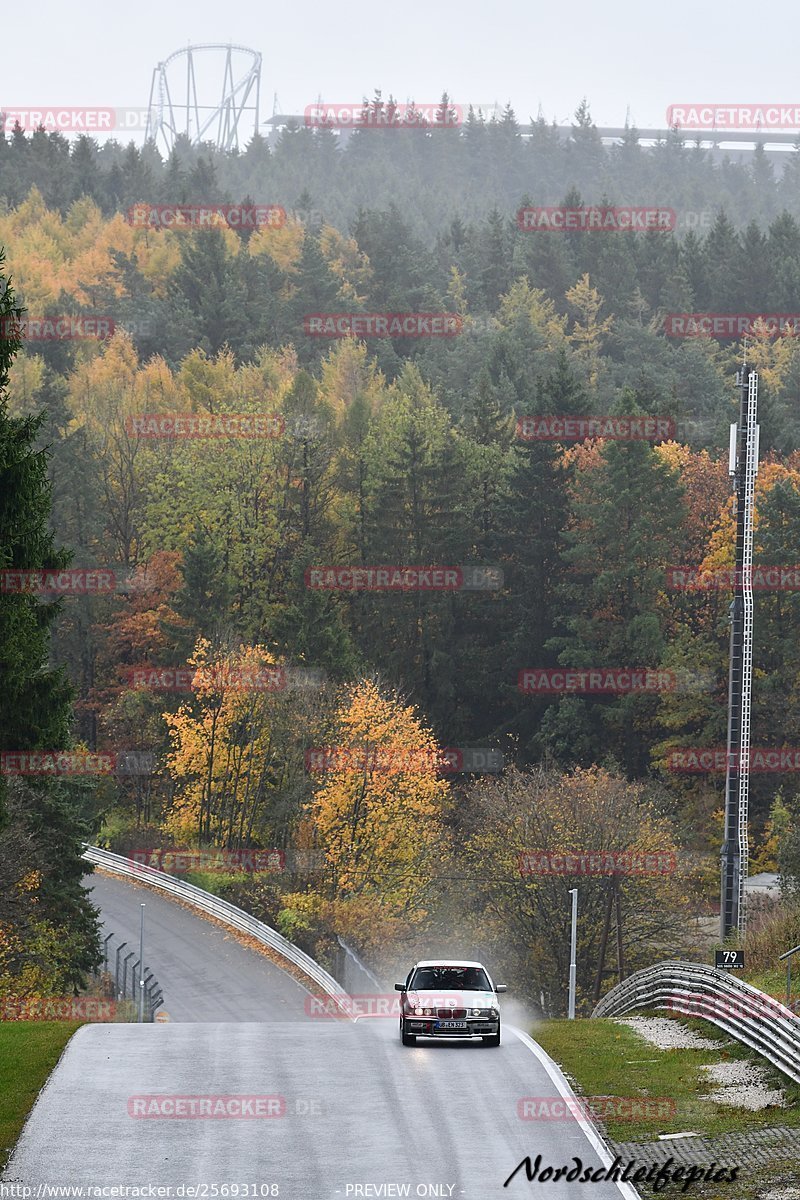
pixel 204 972
pixel 351 1112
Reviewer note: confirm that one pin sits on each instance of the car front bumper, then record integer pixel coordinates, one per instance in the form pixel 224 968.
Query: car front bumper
pixel 426 1027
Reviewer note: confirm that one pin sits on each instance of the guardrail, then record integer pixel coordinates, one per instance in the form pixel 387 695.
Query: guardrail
pixel 356 971
pixel 696 990
pixel 205 902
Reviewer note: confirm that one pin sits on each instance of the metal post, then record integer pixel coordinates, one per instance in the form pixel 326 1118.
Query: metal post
pixel 618 908
pixel 134 979
pixel 573 945
pixel 141 960
pixel 125 972
pixel 106 940
pixel 116 970
pixel 789 955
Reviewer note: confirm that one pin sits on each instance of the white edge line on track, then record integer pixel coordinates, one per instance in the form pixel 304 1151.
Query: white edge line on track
pixel 558 1078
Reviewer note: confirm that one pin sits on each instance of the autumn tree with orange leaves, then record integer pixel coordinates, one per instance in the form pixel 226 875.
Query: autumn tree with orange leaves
pixel 230 762
pixel 378 813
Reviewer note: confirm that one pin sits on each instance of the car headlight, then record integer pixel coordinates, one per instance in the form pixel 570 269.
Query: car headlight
pixel 419 1012
pixel 476 1012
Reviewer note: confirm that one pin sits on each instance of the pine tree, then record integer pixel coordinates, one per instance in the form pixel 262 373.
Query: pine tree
pixel 43 821
pixel 531 524
pixel 626 518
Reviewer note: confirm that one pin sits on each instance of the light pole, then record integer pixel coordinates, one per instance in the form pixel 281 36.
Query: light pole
pixel 141 960
pixel 573 942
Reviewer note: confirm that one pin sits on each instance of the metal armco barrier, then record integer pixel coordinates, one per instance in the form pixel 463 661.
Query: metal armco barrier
pixel 356 974
pixel 695 990
pixel 215 907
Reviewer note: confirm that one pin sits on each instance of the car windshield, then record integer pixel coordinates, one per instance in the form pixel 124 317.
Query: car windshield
pixel 453 979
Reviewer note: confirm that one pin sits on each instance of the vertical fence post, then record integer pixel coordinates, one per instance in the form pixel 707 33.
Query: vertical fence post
pixel 106 940
pixel 116 971
pixel 125 973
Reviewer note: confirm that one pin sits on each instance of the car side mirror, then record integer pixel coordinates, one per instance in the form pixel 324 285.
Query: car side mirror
pixel 501 987
pixel 399 987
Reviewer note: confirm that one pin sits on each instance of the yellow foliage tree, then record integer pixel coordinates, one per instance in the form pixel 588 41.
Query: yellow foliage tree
pixel 378 815
pixel 533 305
pixel 349 264
pixel 588 329
pixel 225 760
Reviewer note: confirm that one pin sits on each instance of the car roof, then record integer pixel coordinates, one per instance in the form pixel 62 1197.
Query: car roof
pixel 447 962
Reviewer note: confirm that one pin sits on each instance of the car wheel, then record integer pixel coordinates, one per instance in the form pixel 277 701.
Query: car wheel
pixel 492 1040
pixel 408 1039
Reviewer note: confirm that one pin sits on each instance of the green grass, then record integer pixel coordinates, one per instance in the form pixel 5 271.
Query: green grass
pixel 602 1058
pixel 29 1050
pixel 215 881
pixel 773 982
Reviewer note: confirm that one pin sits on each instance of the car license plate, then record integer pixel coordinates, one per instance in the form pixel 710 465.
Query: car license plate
pixel 451 1024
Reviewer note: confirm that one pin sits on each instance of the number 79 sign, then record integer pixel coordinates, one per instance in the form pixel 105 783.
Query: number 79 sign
pixel 729 960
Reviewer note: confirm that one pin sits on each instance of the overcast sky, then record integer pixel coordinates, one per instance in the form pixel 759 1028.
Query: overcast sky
pixel 629 55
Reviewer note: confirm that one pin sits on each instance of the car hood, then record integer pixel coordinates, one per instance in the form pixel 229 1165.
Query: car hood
pixel 446 999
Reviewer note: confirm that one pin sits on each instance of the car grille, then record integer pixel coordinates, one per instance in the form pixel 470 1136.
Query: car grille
pixel 451 1014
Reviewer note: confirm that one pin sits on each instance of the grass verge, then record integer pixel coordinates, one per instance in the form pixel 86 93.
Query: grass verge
pixel 602 1059
pixel 29 1050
